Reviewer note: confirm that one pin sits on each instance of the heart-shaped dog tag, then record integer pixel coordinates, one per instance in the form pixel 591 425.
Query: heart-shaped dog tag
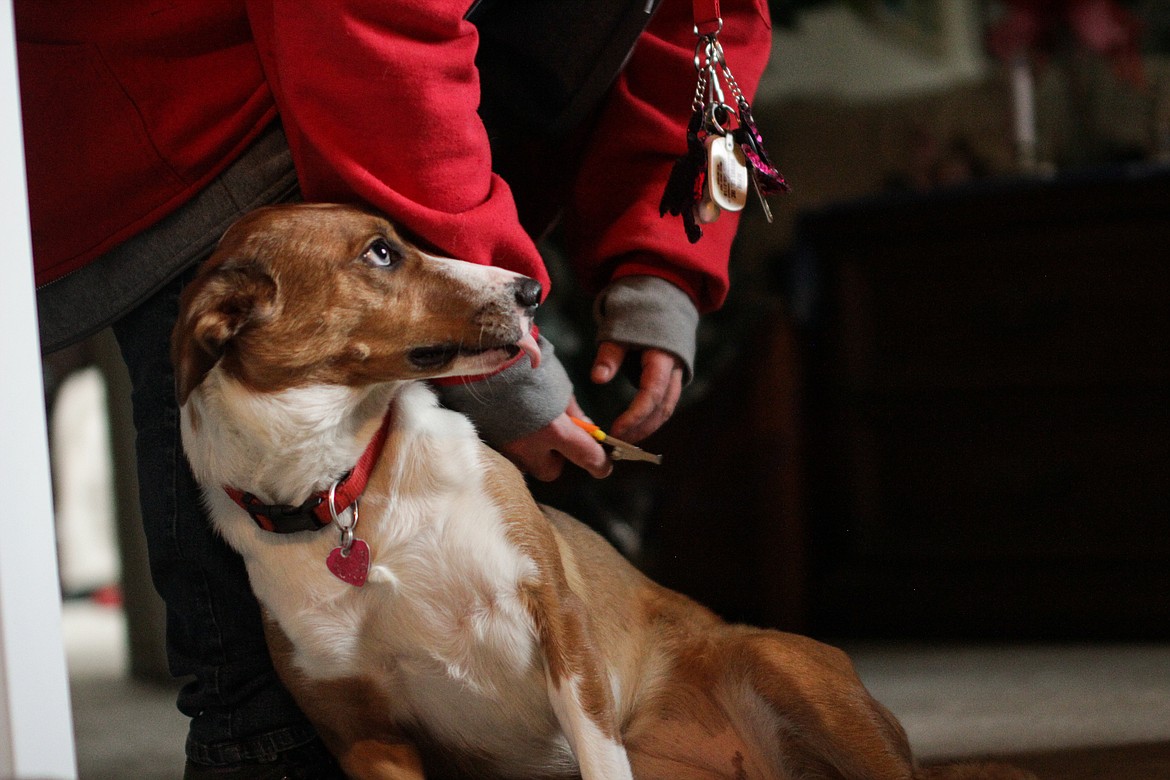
pixel 351 566
pixel 727 175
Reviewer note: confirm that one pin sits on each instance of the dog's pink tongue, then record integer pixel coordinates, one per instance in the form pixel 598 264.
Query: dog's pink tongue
pixel 529 346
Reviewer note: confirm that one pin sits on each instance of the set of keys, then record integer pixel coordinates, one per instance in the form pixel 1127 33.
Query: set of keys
pixel 725 152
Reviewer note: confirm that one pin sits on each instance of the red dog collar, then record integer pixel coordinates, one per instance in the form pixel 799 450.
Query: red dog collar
pixel 314 514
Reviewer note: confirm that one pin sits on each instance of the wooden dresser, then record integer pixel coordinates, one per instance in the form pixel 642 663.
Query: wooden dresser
pixel 986 410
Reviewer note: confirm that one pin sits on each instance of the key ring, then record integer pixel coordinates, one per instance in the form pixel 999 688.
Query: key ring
pixel 710 119
pixel 718 28
pixel 690 189
pixel 708 52
pixel 346 530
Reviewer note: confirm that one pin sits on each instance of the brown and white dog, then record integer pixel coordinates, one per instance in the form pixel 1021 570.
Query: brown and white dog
pixel 454 627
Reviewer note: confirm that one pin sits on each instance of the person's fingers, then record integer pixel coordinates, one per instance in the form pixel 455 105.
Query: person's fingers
pixel 548 467
pixel 575 410
pixel 531 458
pixel 609 359
pixel 543 453
pixel 597 464
pixel 584 451
pixel 655 402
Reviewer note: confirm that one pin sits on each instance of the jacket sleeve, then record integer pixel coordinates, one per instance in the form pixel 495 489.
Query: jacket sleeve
pixel 612 225
pixel 378 100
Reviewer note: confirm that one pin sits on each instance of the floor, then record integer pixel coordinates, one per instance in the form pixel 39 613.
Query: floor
pixel 962 701
pixel 1071 712
pixel 123 729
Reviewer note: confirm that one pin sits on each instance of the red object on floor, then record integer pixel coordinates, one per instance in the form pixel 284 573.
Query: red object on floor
pixel 107 596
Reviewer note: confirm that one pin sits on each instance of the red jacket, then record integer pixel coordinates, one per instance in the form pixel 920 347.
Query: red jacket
pixel 130 108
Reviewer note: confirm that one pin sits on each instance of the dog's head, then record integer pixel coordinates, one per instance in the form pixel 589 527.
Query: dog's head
pixel 324 294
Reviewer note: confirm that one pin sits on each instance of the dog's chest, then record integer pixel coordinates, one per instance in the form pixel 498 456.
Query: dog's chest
pixel 441 626
pixel 448 603
pixel 446 588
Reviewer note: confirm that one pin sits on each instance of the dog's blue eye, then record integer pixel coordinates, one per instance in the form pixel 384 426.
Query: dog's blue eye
pixel 381 254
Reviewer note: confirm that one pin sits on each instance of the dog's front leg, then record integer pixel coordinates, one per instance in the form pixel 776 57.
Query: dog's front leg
pixel 600 755
pixel 350 715
pixel 581 697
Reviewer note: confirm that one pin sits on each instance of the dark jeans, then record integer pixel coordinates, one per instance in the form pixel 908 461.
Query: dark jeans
pixel 239 710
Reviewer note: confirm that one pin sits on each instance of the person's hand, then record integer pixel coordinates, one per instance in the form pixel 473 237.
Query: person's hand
pixel 543 453
pixel 659 388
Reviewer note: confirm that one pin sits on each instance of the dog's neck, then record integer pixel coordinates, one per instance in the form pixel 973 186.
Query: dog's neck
pixel 283 446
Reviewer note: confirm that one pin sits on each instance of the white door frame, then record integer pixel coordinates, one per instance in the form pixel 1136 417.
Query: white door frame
pixel 36 725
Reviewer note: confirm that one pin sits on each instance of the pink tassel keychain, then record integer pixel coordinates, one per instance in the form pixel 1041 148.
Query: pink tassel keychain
pixel 721 159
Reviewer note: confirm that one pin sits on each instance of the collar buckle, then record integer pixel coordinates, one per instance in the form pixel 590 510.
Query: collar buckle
pixel 282 518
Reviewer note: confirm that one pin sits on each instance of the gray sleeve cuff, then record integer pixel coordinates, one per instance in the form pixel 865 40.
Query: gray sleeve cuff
pixel 515 402
pixel 648 312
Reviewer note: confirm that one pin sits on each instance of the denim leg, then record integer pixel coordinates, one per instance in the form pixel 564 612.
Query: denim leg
pixel 239 709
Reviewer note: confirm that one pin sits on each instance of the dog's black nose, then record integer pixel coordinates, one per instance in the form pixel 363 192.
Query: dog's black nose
pixel 527 292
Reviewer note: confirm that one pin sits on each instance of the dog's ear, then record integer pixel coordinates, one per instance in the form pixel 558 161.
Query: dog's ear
pixel 214 309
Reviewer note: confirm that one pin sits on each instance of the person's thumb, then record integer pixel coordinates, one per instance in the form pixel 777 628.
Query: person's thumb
pixel 609 359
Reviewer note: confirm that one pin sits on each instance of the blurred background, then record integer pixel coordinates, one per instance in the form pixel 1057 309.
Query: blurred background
pixel 931 425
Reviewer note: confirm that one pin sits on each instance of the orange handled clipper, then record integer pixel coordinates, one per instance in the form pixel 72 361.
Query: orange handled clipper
pixel 619 450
